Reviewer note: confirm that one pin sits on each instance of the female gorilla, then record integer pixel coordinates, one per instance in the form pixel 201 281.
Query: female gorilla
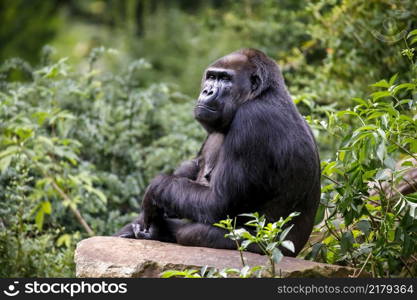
pixel 259 156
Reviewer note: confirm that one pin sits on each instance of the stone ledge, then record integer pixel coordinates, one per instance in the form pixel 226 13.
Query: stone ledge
pixel 116 257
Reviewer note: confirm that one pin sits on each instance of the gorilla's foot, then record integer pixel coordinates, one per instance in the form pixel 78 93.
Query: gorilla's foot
pixel 140 232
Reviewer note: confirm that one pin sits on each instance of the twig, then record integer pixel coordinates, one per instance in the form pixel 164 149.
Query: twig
pixel 364 264
pixel 73 209
pixel 331 179
pixel 406 267
pixel 402 148
pixel 237 243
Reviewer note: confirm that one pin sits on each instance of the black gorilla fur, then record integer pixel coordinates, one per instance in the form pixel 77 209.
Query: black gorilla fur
pixel 259 156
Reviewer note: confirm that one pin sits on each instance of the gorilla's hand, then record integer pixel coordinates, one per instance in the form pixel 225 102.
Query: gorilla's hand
pixel 150 208
pixel 188 169
pixel 150 211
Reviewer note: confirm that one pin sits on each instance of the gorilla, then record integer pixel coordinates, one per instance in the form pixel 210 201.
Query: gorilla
pixel 259 156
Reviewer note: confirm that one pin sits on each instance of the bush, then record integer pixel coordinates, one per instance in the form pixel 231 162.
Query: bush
pixel 78 143
pixel 77 149
pixel 367 218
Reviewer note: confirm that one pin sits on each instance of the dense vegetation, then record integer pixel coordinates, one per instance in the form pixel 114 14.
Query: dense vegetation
pixel 80 137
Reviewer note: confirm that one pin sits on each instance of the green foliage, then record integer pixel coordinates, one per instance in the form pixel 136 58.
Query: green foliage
pixel 77 149
pixel 81 137
pixel 361 40
pixel 206 272
pixel 23 255
pixel 23 32
pixel 366 219
pixel 25 249
pixel 267 236
pixel 216 31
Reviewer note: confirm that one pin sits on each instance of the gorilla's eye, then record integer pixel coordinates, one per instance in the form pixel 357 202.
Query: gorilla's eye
pixel 211 76
pixel 225 77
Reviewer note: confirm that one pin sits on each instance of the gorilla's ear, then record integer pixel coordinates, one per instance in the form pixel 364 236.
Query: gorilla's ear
pixel 255 82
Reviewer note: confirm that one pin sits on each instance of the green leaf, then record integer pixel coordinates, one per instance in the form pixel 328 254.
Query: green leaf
pixel 412 33
pixel 413 40
pixel 250 215
pixel 285 232
pixel 412 209
pixel 393 79
pixel 381 151
pixel 390 163
pixel 64 239
pixel 361 101
pixel 364 226
pixel 24 133
pixel 346 112
pixel 328 169
pixel 46 207
pixel 411 197
pixel 383 174
pixel 368 174
pixel 240 232
pixel 375 114
pixel 97 192
pixel 46 141
pixel 407 86
pixel 277 255
pixel 245 271
pixel 292 216
pixel 378 95
pixel 5 162
pixel 316 249
pixel 39 219
pixel 9 151
pixel 245 244
pixel 319 214
pixel 346 241
pixel 381 133
pixel 407 163
pixel 40 116
pixel 382 83
pixel 270 247
pixel 171 273
pixel 289 245
pixel 367 127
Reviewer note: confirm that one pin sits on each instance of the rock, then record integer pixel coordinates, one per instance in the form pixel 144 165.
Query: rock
pixel 117 257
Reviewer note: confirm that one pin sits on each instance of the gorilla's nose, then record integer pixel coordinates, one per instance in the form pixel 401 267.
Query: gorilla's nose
pixel 208 97
pixel 208 92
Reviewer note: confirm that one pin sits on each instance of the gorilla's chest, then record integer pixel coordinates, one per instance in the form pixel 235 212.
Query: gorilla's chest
pixel 209 157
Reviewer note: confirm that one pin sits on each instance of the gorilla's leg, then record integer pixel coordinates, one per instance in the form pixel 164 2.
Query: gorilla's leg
pixel 189 234
pixel 127 231
pixel 203 235
pixel 162 230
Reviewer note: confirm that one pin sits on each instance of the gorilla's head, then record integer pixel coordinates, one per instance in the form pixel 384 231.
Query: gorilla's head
pixel 231 81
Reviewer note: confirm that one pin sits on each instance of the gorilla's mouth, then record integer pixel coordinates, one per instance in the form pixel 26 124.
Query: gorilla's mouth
pixel 205 107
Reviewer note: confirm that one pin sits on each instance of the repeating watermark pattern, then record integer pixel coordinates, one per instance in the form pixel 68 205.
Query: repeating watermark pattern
pixel 353 289
pixel 395 26
pixel 12 290
pixel 72 289
pixel 265 288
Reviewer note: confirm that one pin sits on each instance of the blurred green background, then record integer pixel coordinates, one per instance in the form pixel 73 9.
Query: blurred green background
pixel 97 96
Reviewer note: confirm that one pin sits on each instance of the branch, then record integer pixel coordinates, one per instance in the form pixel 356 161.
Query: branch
pixel 73 209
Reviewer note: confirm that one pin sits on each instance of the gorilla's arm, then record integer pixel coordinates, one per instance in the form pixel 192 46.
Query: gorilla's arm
pixel 188 169
pixel 238 177
pixel 185 198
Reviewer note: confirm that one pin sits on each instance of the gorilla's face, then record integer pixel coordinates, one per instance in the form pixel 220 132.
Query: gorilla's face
pixel 227 84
